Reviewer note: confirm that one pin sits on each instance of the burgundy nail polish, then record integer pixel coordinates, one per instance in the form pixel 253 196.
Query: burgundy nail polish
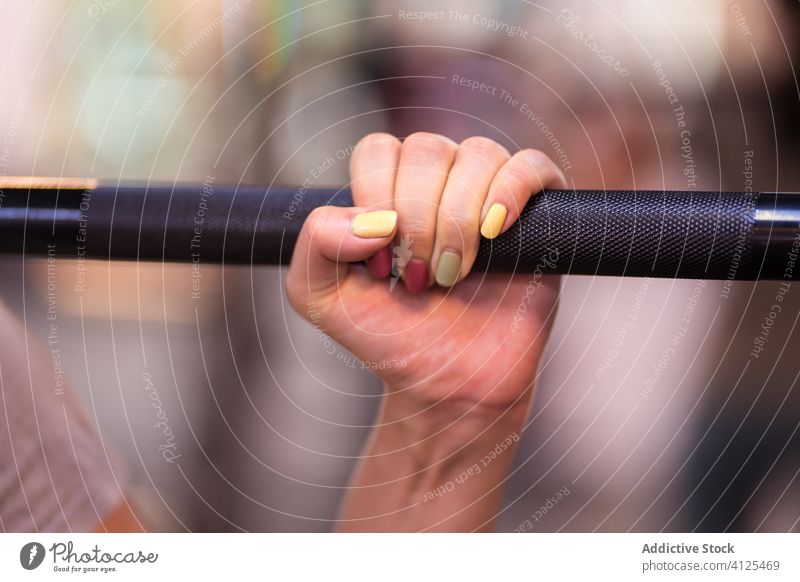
pixel 379 265
pixel 416 276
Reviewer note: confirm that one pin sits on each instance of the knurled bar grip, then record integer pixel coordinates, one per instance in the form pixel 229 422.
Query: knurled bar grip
pixel 708 235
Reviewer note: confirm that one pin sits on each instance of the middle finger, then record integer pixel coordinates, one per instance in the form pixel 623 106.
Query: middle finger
pixel 425 161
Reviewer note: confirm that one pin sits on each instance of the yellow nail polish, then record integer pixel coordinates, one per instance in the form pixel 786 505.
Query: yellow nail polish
pixel 494 221
pixel 376 224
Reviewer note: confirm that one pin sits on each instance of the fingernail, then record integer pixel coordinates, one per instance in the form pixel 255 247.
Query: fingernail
pixel 375 224
pixel 448 269
pixel 416 276
pixel 379 265
pixel 493 223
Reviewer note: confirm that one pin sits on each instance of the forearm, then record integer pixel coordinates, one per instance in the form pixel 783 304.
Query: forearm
pixel 437 468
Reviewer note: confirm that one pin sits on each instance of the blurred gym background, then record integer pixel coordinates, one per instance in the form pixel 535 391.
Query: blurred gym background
pixel 651 411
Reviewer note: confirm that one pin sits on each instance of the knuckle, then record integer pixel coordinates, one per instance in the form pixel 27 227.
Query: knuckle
pixel 545 171
pixel 514 179
pixel 484 148
pixel 419 230
pixel 455 224
pixel 378 142
pixel 536 157
pixel 318 219
pixel 529 170
pixel 540 163
pixel 426 147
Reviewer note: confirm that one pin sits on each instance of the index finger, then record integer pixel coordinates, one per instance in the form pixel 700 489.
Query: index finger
pixel 373 168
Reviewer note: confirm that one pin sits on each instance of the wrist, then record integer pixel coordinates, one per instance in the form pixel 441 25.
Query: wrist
pixel 491 389
pixel 440 465
pixel 437 404
pixel 433 431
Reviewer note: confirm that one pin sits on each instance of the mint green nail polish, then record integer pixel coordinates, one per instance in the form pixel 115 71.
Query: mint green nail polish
pixel 448 269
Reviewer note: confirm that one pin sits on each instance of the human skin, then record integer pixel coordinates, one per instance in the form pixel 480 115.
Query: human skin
pixel 457 351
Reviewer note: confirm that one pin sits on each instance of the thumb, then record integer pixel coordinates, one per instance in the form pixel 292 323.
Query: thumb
pixel 331 238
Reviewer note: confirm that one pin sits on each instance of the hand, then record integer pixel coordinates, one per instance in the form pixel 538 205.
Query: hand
pixel 444 334
pixel 458 351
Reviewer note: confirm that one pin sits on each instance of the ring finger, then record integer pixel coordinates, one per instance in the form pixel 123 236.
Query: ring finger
pixel 457 230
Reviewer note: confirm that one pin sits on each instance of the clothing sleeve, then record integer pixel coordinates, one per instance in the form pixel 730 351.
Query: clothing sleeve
pixel 56 473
